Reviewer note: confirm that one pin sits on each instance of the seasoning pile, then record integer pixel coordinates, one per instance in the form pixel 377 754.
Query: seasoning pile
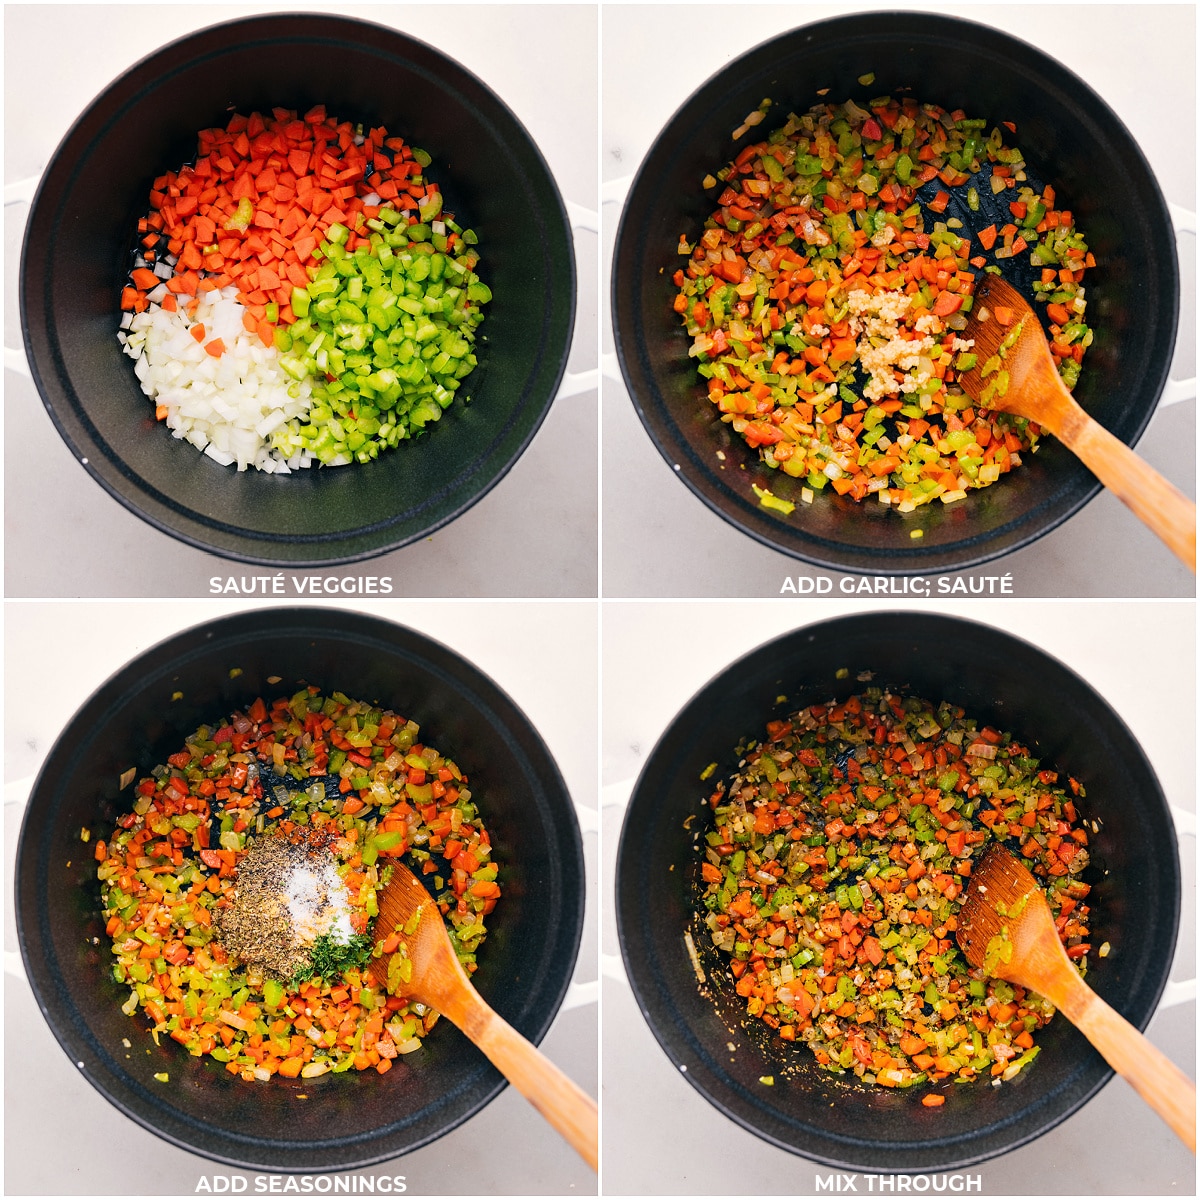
pixel 824 308
pixel 832 874
pixel 288 894
pixel 299 295
pixel 240 891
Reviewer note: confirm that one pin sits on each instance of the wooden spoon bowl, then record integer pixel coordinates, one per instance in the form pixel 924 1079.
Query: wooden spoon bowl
pixel 433 976
pixel 1003 901
pixel 1036 391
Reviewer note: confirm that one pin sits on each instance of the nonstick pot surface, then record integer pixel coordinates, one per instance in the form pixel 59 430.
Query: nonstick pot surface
pixel 350 1120
pixel 82 228
pixel 1070 138
pixel 997 678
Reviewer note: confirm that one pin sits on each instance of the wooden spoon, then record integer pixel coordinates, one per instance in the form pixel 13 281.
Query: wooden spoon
pixel 1003 901
pixel 1036 391
pixel 439 981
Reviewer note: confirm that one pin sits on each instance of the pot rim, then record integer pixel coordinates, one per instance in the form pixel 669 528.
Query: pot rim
pixel 974 550
pixel 252 554
pixel 308 622
pixel 671 1037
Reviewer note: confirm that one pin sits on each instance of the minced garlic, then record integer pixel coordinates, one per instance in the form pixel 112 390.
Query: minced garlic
pixel 875 323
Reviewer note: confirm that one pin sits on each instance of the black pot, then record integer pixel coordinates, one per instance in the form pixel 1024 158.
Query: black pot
pixel 1071 139
pixel 349 1120
pixel 998 679
pixel 83 226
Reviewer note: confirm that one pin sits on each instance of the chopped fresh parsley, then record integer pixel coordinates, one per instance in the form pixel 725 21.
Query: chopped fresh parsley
pixel 330 959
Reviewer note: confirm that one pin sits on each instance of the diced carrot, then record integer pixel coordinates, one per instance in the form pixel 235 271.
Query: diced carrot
pixel 946 303
pixel 190 257
pixel 844 349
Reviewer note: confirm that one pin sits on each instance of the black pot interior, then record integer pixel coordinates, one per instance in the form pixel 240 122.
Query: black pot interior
pixel 998 679
pixel 1071 140
pixel 348 1120
pixel 83 226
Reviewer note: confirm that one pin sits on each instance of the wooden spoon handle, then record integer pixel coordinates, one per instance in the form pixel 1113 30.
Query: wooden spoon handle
pixel 1153 1076
pixel 1157 503
pixel 563 1103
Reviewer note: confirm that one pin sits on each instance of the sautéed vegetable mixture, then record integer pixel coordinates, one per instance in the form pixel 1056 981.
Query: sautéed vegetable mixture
pixel 832 873
pixel 825 297
pixel 241 890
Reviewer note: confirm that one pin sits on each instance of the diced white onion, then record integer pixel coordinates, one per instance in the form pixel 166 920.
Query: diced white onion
pixel 239 408
pixel 981 750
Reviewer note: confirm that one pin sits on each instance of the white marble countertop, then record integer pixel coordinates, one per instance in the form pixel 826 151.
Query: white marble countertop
pixel 660 539
pixel 56 654
pixel 534 534
pixel 1138 655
